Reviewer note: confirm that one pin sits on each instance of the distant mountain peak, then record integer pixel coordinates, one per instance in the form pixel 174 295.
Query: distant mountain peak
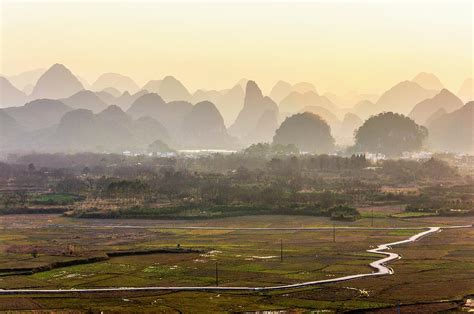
pixel 170 78
pixel 255 106
pixel 253 94
pixel 171 89
pixel 57 82
pixel 423 110
pixel 402 97
pixel 466 91
pixel 9 94
pixel 304 87
pixel 280 90
pixel 85 99
pixel 116 80
pixel 112 109
pixel 428 81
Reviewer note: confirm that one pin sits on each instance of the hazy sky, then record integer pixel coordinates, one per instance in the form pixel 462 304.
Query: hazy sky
pixel 337 45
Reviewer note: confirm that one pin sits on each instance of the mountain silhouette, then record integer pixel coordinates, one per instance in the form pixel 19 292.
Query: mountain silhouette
pixel 114 129
pixel 170 114
pixel 438 113
pixel 231 103
pixel 38 114
pixel 365 109
pixel 304 87
pixel 26 80
pixel 120 82
pixel 402 97
pixel 10 95
pixel 349 99
pixel 9 127
pixel 213 96
pixel 228 102
pixel 453 131
pixel 148 105
pixel 76 132
pixel 126 99
pixel 255 105
pixel 265 129
pixel 466 91
pixel 112 91
pixel 109 99
pixel 243 82
pixel 148 130
pixel 169 88
pixel 280 91
pixel 443 100
pixel 28 89
pixel 349 124
pixel 85 99
pixel 204 127
pixel 57 82
pixel 428 81
pixel 111 130
pixel 153 86
pixel 325 114
pixel 114 114
pixel 296 101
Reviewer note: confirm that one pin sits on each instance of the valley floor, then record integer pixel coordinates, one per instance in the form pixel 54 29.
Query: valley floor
pixel 439 267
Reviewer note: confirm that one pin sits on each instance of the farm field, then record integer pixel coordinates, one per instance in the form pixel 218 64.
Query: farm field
pixel 438 267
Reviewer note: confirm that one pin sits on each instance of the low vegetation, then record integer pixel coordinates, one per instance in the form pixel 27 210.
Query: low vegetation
pixel 263 179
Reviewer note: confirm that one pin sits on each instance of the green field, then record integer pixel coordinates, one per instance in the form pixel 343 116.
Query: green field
pixel 244 258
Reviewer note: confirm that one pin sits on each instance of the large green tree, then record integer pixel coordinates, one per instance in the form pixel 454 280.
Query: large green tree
pixel 391 134
pixel 307 131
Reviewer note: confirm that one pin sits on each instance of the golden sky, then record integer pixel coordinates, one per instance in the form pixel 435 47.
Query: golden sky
pixel 338 45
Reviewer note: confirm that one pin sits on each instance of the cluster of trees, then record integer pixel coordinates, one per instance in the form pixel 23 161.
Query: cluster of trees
pixel 388 133
pixel 391 134
pixel 307 131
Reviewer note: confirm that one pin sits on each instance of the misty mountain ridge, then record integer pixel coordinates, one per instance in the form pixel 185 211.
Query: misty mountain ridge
pixel 38 114
pixel 282 89
pixel 85 99
pixel 466 91
pixel 453 131
pixel 124 120
pixel 26 80
pixel 117 81
pixel 229 101
pixel 10 95
pixel 402 97
pixel 169 88
pixel 296 101
pixel 255 105
pixel 443 100
pixel 203 127
pixel 57 82
pixel 428 81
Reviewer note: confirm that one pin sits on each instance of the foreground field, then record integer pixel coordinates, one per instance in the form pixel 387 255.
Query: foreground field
pixel 244 257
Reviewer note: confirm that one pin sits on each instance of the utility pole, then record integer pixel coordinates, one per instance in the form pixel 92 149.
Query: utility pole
pixel 217 276
pixel 333 232
pixel 372 218
pixel 281 250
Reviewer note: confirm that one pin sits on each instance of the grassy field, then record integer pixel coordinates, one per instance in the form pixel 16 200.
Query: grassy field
pixel 439 267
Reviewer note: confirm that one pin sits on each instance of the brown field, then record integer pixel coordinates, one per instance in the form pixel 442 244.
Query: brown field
pixel 439 267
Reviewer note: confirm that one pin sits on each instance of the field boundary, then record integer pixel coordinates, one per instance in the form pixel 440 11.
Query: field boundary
pixel 4 272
